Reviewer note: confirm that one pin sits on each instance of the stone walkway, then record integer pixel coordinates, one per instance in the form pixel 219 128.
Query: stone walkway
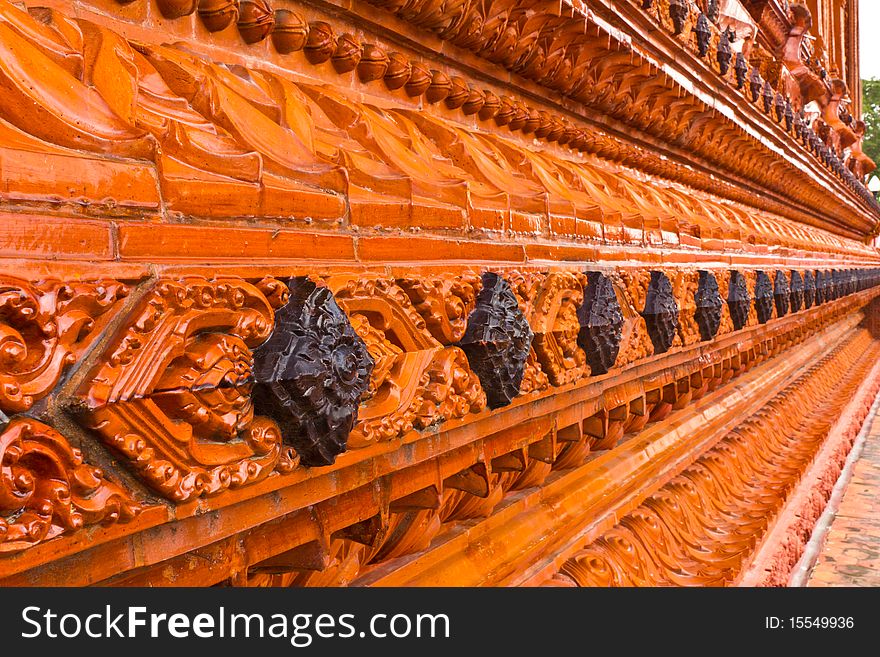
pixel 851 554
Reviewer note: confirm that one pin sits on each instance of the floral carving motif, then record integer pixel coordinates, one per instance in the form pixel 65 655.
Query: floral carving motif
pixel 46 489
pixel 44 327
pixel 311 373
pixel 172 392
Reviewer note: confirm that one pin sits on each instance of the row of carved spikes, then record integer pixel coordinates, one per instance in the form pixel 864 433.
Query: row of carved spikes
pixel 773 103
pixel 290 33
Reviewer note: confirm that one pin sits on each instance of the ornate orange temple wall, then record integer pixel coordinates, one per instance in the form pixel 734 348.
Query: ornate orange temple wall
pixel 407 292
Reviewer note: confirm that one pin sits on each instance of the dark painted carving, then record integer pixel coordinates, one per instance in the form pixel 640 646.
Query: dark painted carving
pixel 809 289
pixel 678 12
pixel 497 341
pixel 661 312
pixel 763 297
pixel 781 293
pixel 712 11
pixel 755 85
pixel 704 34
pixel 779 104
pixel 821 287
pixel 741 68
pixel 767 97
pixel 310 374
pixel 796 296
pixel 601 323
pixel 709 303
pixel 789 116
pixel 738 300
pixel 725 54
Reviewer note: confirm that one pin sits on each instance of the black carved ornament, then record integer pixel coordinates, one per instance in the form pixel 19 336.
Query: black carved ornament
pixel 497 341
pixel 310 374
pixel 781 293
pixel 738 300
pixel 821 287
pixel 755 84
pixel 601 323
pixel 709 303
pixel 741 68
pixel 678 12
pixel 704 34
pixel 809 289
pixel 763 297
pixel 797 291
pixel 725 53
pixel 661 312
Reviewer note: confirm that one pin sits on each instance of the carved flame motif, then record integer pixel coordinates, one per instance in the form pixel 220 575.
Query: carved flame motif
pixel 172 391
pixel 661 312
pixel 708 301
pixel 44 328
pixel 310 374
pixel 497 341
pixel 601 323
pixel 46 489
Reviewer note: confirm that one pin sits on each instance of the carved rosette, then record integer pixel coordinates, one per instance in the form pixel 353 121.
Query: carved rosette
pixel 763 297
pixel 809 289
pixel 709 304
pixel 781 293
pixel 46 489
pixel 44 327
pixel 311 373
pixel 601 323
pixel 497 341
pixel 661 312
pixel 797 291
pixel 172 392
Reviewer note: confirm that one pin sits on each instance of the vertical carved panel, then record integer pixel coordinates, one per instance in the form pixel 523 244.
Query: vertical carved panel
pixel 601 323
pixel 310 374
pixel 497 341
pixel 708 301
pixel 661 312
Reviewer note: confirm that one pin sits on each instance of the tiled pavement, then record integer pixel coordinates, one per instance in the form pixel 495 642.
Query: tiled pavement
pixel 851 554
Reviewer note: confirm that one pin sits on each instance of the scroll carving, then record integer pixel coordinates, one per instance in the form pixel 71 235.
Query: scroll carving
pixel 173 391
pixel 45 327
pixel 47 489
